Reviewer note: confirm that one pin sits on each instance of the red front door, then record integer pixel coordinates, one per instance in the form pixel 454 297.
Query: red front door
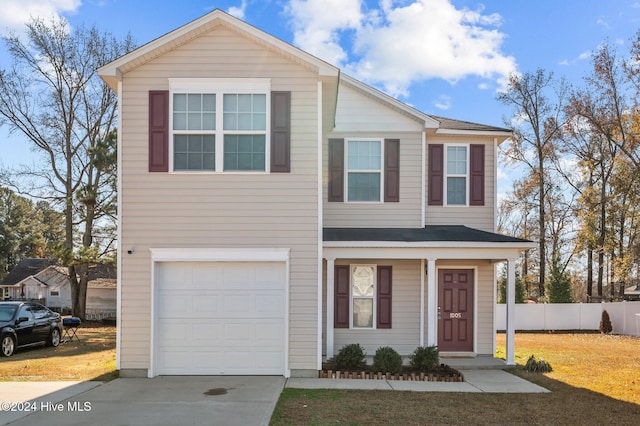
pixel 455 310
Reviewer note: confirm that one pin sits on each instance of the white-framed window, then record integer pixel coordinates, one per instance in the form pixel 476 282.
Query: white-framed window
pixel 457 175
pixel 363 296
pixel 220 125
pixel 364 160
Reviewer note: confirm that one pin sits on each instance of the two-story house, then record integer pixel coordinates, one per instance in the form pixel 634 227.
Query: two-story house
pixel 273 209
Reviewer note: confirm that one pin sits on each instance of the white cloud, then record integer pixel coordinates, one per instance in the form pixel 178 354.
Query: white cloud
pixel 238 11
pixel 402 42
pixel 317 25
pixel 603 23
pixel 443 102
pixel 14 14
pixel 585 55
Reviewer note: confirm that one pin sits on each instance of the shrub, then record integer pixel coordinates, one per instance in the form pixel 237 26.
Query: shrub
pixel 537 366
pixel 605 323
pixel 425 358
pixel 350 357
pixel 387 360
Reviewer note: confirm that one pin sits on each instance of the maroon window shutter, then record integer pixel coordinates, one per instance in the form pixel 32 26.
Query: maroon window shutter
pixel 392 170
pixel 159 131
pixel 476 184
pixel 384 297
pixel 336 170
pixel 436 174
pixel 281 132
pixel 341 297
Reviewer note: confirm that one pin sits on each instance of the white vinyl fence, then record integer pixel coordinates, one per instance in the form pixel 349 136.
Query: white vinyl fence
pixel 625 316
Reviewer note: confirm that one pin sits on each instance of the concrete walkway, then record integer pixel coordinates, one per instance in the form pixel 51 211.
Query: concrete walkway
pixel 489 381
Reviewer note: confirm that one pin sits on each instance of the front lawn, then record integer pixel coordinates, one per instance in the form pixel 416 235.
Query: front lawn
pixel 91 358
pixel 596 380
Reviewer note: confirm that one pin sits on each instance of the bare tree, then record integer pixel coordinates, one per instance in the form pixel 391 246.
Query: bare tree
pixel 538 103
pixel 604 139
pixel 53 96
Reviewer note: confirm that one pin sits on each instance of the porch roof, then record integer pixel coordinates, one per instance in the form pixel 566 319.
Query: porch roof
pixel 430 233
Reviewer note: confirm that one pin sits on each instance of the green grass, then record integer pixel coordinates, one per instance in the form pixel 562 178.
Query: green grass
pixel 595 381
pixel 93 357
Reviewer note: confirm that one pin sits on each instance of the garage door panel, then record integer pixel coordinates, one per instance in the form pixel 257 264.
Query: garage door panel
pixel 174 335
pixel 206 304
pixel 236 304
pixel 269 304
pixel 172 304
pixel 220 318
pixel 269 333
pixel 206 333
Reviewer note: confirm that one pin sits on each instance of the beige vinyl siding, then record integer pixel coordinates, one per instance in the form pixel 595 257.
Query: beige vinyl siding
pixel 403 214
pixel 358 115
pixel 484 300
pixel 360 112
pixel 241 210
pixel 404 336
pixel 479 217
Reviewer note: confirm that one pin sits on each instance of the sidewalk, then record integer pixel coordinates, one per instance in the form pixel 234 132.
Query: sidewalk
pixel 489 381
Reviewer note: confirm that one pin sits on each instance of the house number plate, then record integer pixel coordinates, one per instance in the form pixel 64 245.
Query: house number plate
pixel 455 315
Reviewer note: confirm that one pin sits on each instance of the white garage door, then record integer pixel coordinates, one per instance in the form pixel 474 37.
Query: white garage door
pixel 220 318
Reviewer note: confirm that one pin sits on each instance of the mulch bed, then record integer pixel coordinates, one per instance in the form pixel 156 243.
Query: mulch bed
pixel 443 373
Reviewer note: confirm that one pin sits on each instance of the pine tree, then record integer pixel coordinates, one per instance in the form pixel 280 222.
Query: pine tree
pixel 502 286
pixel 559 284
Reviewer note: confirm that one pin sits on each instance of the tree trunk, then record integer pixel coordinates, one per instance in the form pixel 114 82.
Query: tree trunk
pixel 589 272
pixel 602 238
pixel 79 290
pixel 542 225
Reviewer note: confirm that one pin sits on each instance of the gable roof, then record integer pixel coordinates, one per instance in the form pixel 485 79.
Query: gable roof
pixel 26 268
pixel 459 125
pixel 113 71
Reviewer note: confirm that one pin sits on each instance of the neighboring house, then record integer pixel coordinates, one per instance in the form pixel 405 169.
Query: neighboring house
pixel 32 279
pixel 273 209
pixel 632 293
pixel 45 281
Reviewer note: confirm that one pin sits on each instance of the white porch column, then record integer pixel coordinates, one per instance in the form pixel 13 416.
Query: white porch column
pixel 432 304
pixel 330 301
pixel 511 312
pixel 423 272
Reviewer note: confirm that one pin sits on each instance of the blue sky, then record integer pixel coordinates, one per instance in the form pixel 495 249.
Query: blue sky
pixel 443 57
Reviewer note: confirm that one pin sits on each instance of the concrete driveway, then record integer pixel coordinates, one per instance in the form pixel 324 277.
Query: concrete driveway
pixel 165 400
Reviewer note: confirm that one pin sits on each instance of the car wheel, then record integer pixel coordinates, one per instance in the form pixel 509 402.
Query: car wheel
pixel 8 345
pixel 54 338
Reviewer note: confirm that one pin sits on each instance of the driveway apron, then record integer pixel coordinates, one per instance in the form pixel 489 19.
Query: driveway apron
pixel 166 400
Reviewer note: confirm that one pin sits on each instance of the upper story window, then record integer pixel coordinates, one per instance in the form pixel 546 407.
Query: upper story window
pixel 457 175
pixel 245 132
pixel 364 170
pixel 220 126
pixel 194 127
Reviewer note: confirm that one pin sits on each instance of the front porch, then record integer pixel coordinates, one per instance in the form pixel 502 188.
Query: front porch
pixel 394 295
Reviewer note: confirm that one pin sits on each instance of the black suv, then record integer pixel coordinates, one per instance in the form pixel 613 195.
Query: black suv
pixel 27 323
